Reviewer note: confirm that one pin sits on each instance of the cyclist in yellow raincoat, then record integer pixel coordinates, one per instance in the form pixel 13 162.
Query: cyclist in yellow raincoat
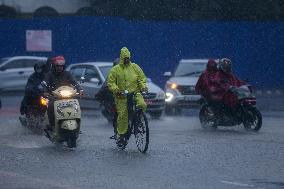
pixel 126 76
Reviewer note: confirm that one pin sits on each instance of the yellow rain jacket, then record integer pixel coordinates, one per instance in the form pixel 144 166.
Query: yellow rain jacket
pixel 128 77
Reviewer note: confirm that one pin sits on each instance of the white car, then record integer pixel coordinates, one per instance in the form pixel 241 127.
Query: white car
pixel 95 73
pixel 15 71
pixel 180 88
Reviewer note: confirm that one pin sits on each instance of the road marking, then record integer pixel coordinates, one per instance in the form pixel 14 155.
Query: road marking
pixel 240 184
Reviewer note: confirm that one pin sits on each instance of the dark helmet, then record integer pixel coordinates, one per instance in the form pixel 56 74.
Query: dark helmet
pixel 58 64
pixel 115 62
pixel 39 68
pixel 225 65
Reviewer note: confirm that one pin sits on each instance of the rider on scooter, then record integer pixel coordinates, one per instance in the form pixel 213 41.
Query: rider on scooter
pixel 57 77
pixel 32 92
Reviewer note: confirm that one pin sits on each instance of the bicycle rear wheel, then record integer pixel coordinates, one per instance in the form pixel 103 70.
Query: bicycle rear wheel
pixel 141 132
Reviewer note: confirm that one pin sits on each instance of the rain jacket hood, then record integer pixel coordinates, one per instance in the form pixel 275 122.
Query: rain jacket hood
pixel 124 53
pixel 211 66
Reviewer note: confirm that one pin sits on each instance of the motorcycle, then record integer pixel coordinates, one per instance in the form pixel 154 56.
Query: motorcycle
pixel 246 113
pixel 67 114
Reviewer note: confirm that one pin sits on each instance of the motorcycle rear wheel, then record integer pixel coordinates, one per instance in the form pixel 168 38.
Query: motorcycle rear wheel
pixel 252 119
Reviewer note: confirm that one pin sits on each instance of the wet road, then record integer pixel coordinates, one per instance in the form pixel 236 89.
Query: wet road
pixel 180 155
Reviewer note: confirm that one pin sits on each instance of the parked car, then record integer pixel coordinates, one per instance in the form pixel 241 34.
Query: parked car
pixel 16 70
pixel 95 73
pixel 180 88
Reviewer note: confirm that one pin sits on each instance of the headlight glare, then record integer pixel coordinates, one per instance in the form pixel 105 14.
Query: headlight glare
pixel 172 85
pixel 65 93
pixel 169 97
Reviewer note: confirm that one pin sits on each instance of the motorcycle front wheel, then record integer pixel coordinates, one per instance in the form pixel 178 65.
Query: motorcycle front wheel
pixel 252 119
pixel 206 118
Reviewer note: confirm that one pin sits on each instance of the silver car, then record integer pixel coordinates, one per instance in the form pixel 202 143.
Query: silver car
pixel 95 73
pixel 15 71
pixel 180 88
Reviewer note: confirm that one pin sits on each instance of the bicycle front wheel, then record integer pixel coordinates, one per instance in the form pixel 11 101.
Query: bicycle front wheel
pixel 141 132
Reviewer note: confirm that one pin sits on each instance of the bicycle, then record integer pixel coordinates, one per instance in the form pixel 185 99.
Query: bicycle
pixel 137 124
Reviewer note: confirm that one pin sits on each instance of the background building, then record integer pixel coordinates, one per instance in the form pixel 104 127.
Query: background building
pixel 50 8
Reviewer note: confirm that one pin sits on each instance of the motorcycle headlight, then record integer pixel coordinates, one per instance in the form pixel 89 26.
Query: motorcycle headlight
pixel 65 93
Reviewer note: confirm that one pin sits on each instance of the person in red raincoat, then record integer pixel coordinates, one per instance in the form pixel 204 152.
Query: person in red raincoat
pixel 208 85
pixel 228 83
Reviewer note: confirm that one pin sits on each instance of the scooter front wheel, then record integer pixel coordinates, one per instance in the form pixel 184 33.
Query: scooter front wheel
pixel 72 140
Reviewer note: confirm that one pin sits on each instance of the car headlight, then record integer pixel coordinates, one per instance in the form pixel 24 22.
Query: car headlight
pixel 172 85
pixel 65 93
pixel 169 97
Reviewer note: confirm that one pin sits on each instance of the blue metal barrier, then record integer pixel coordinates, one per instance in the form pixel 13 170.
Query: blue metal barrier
pixel 255 48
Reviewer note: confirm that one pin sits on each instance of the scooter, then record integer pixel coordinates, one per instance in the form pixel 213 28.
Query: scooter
pixel 67 114
pixel 246 113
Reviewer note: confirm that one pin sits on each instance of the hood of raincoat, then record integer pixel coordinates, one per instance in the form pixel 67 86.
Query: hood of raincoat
pixel 211 65
pixel 124 53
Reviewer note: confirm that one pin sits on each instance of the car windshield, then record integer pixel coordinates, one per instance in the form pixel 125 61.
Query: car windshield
pixel 190 69
pixel 105 70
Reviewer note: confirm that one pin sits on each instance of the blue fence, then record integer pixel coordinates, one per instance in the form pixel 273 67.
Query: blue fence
pixel 257 49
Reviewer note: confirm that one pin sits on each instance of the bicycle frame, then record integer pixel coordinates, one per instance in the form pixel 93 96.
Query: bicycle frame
pixel 133 113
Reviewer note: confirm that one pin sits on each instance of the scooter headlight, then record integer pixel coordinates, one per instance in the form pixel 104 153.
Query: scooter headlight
pixel 65 93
